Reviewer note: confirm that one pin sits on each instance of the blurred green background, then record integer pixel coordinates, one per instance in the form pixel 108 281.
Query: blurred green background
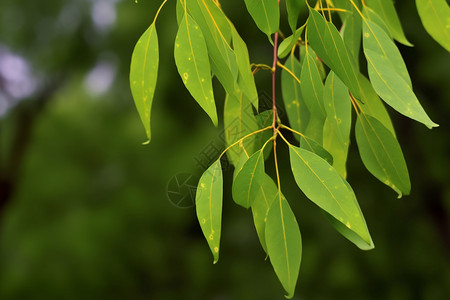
pixel 84 207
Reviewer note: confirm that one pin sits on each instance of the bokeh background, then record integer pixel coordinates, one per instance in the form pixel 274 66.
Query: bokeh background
pixel 84 207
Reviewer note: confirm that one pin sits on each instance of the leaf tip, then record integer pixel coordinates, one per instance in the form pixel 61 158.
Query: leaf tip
pixel 289 295
pixel 146 142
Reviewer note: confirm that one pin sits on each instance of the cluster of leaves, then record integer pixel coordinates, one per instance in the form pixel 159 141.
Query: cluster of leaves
pixel 320 82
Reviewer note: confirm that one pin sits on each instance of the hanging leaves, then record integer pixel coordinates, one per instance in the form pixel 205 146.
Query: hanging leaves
pixel 381 154
pixel 435 18
pixel 191 57
pixel 143 74
pixel 284 244
pixel 208 203
pixel 265 13
pixel 321 183
pixel 207 44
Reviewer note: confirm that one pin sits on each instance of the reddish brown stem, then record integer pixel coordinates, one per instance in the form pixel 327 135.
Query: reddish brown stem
pixel 274 67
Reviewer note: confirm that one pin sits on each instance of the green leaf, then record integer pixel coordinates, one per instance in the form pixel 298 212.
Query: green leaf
pixel 372 105
pixel 217 32
pixel 391 87
pixel 268 192
pixel 248 181
pixel 381 154
pixel 321 183
pixel 296 110
pixel 239 121
pixel 435 18
pixel 284 244
pixel 209 206
pixel 245 80
pixel 329 46
pixel 191 57
pixel 265 13
pixel 376 40
pixel 386 10
pixel 294 8
pixel 312 93
pixel 288 43
pixel 336 134
pixel 144 73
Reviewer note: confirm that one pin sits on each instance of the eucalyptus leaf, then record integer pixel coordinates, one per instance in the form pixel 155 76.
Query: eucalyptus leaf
pixel 217 32
pixel 208 203
pixel 312 93
pixel 191 58
pixel 435 18
pixel 284 244
pixel 248 181
pixel 329 46
pixel 391 87
pixel 265 13
pixel 376 40
pixel 381 154
pixel 322 184
pixel 144 73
